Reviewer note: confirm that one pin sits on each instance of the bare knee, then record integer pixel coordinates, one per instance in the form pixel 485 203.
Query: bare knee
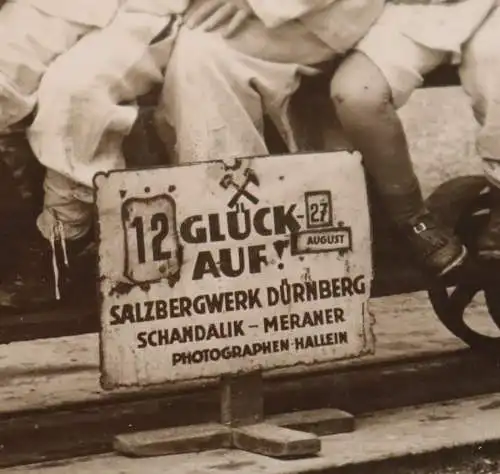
pixel 359 88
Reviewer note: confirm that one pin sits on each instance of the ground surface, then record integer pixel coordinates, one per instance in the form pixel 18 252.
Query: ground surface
pixel 475 460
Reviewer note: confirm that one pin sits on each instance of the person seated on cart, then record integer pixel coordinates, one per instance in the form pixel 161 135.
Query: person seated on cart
pixel 378 77
pixel 84 110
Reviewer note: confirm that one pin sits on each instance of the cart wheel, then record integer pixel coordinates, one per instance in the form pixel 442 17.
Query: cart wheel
pixel 464 204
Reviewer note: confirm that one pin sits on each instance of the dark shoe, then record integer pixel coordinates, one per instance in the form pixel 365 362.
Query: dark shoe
pixel 435 245
pixel 45 276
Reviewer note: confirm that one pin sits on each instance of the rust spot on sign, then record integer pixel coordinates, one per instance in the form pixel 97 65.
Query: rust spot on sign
pixel 121 288
pixel 174 277
pixel 124 288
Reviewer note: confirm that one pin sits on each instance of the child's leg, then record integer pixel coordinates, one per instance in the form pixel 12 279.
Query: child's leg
pixel 367 90
pixel 364 105
pixel 480 74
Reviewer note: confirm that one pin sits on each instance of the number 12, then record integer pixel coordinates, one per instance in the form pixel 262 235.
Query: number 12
pixel 160 225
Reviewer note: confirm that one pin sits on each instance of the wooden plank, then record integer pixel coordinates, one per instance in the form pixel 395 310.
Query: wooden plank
pixel 184 439
pixel 53 406
pixel 321 422
pixel 38 375
pixel 61 322
pixel 275 441
pixel 90 428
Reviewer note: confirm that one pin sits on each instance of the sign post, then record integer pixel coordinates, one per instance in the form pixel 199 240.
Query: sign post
pixel 211 270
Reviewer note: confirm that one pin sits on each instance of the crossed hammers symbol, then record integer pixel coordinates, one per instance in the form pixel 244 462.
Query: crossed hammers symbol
pixel 241 190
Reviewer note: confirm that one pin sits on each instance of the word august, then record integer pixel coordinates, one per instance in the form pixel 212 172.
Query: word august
pixel 240 300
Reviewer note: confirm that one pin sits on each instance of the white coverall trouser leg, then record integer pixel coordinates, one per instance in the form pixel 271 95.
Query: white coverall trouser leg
pixel 216 90
pixel 80 124
pixel 29 41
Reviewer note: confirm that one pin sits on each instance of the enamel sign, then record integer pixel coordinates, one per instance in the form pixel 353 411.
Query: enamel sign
pixel 210 269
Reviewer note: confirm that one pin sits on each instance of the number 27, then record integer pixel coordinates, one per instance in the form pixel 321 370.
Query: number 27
pixel 320 208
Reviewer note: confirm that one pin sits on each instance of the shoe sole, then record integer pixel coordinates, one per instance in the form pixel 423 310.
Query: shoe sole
pixel 456 263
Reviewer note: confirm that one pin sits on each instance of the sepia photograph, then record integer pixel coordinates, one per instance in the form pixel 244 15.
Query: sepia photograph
pixel 250 236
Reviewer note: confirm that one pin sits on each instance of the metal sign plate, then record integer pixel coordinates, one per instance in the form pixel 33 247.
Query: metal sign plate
pixel 210 269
